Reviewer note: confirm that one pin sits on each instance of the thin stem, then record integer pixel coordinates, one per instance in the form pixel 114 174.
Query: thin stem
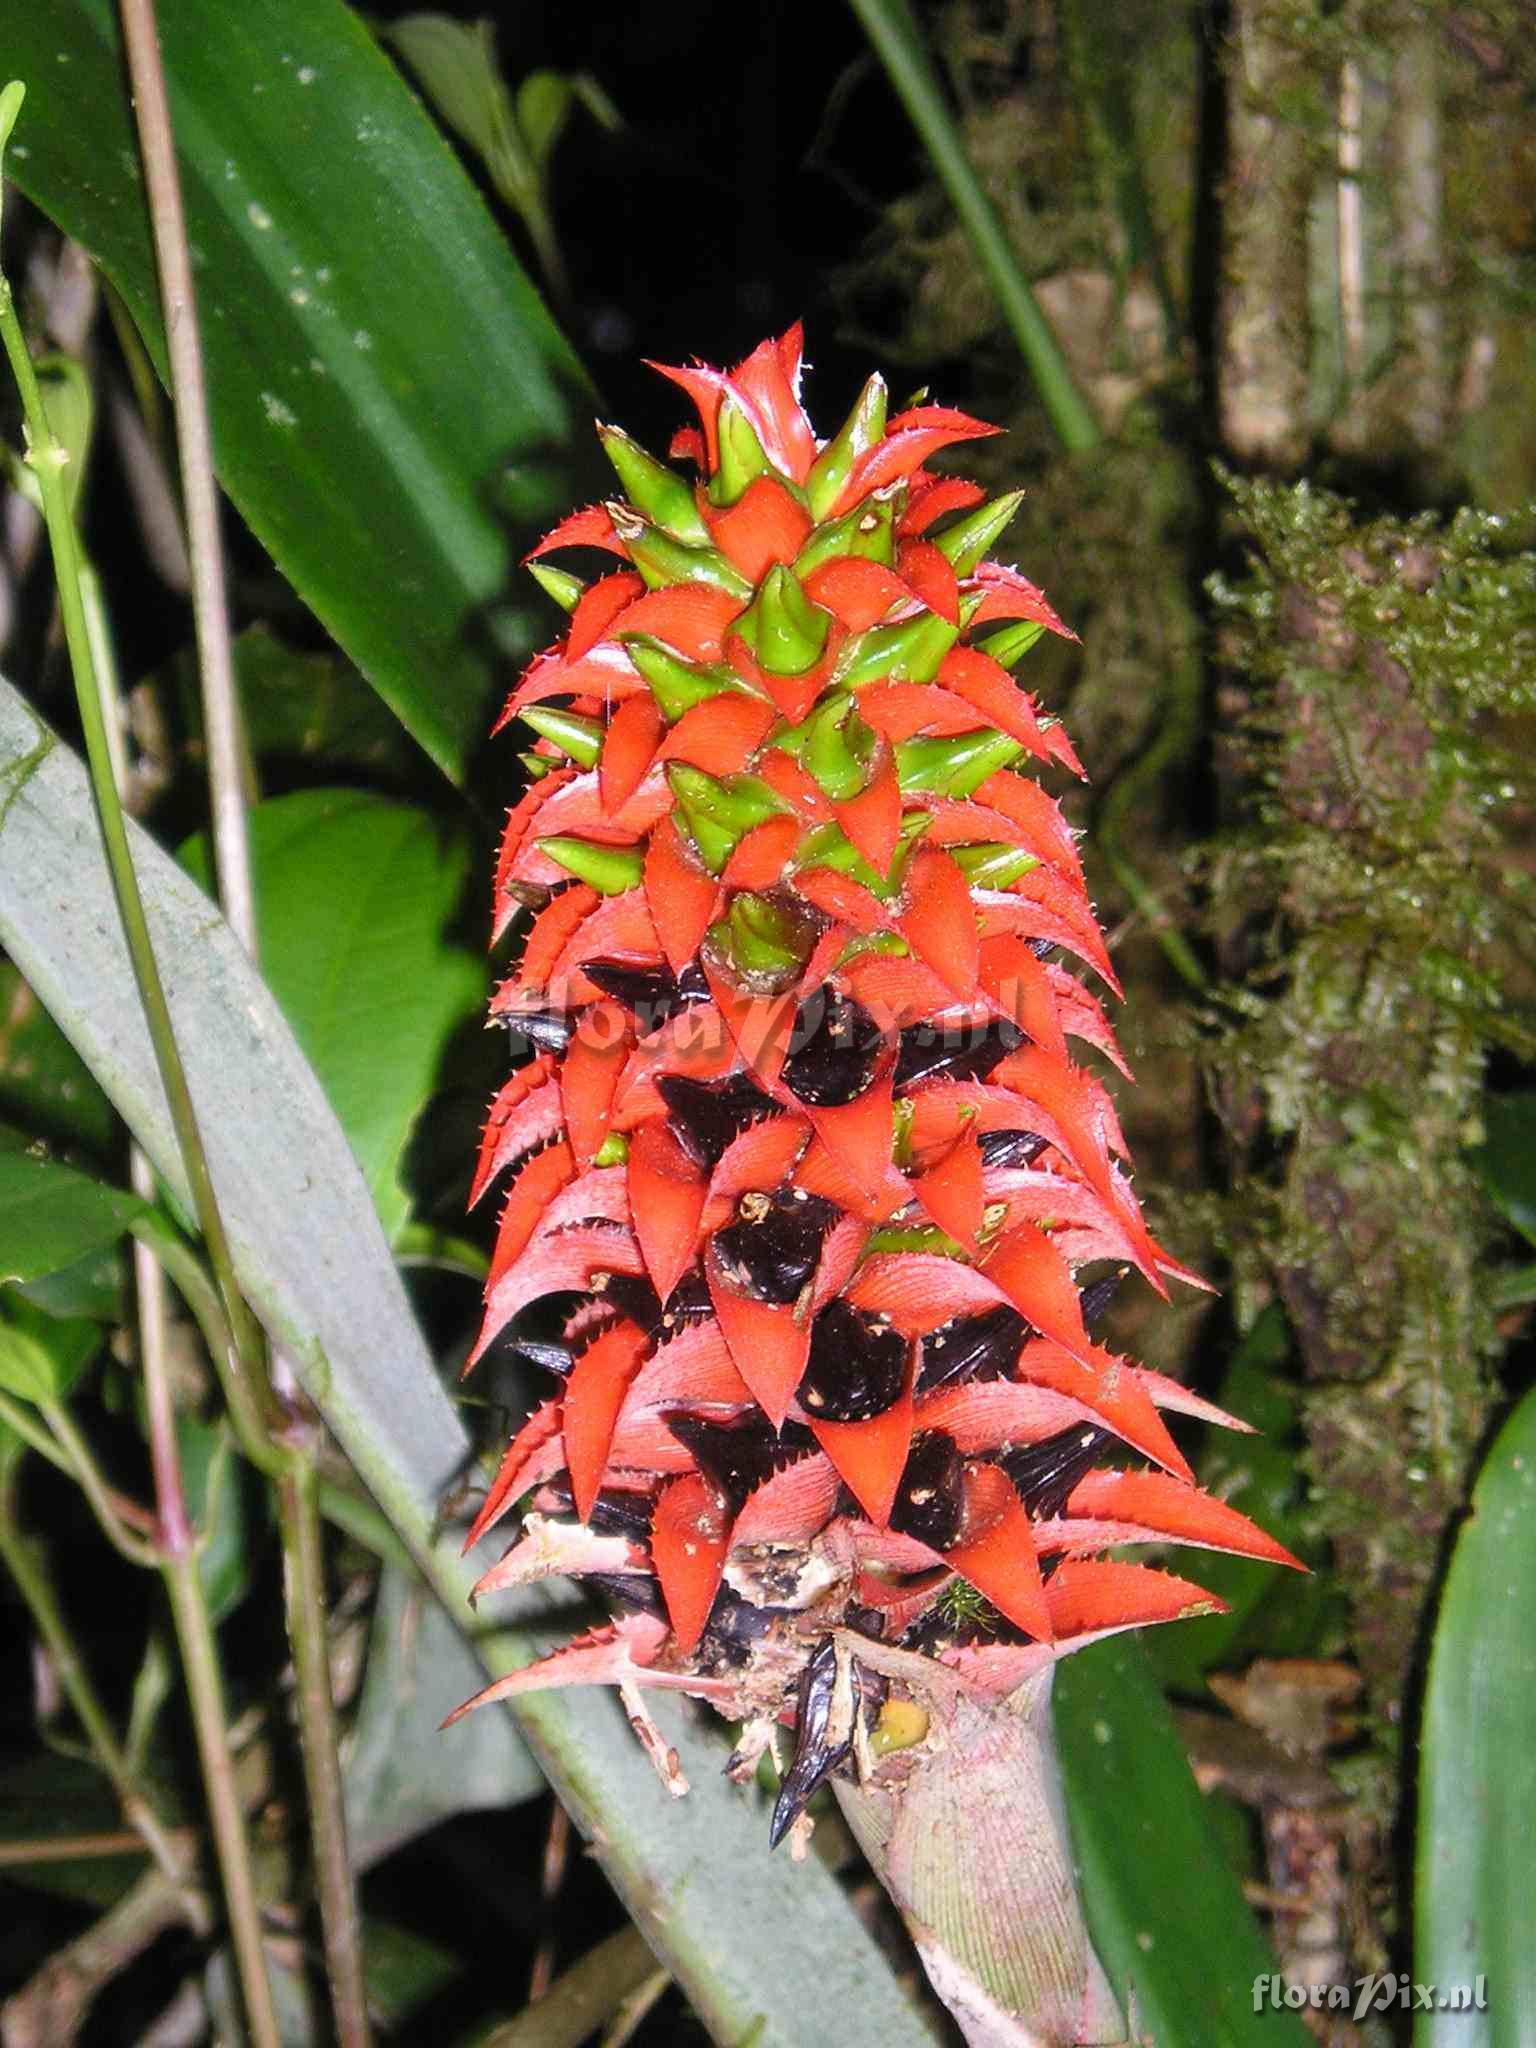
pixel 18 1855
pixel 581 2000
pixel 634 2010
pixel 88 1475
pixel 298 1514
pixel 178 298
pixel 199 1654
pixel 47 459
pixel 205 1692
pixel 15 1415
pixel 179 1565
pixel 21 1560
pixel 202 1297
pixel 899 44
pixel 340 1504
pixel 304 1576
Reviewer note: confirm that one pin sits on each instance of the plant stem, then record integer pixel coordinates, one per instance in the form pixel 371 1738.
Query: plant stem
pixel 347 1509
pixel 578 2002
pixel 304 1580
pixel 899 44
pixel 46 458
pixel 199 1656
pixel 221 704
pixel 205 1692
pixel 298 1513
pixel 88 1475
pixel 200 1294
pixel 178 1562
pixel 36 1588
pixel 16 1415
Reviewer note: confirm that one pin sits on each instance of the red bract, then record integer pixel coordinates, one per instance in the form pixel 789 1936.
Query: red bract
pixel 807 1140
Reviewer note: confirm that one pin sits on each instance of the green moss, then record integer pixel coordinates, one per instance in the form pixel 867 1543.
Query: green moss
pixel 1370 921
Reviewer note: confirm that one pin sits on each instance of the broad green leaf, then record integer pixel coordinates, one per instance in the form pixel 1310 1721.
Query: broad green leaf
pixel 47 1797
pixel 403 1773
pixel 95 1286
pixel 1474 1906
pixel 51 1215
pixel 68 1345
pixel 744 1932
pixel 404 1969
pixel 1165 1911
pixel 1270 1610
pixel 1506 1159
pixel 305 711
pixel 388 392
pixel 45 1086
pixel 354 899
pixel 26 1369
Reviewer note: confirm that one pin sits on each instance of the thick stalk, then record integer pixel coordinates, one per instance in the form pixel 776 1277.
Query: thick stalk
pixel 899 44
pixel 967 1830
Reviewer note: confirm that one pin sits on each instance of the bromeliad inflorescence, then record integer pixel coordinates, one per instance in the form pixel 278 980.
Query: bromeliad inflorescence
pixel 802 1129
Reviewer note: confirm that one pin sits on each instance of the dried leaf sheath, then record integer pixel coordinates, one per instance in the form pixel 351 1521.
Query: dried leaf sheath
pixel 809 1140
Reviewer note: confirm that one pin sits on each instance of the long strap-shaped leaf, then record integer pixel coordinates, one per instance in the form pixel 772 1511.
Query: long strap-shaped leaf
pixel 1474 1905
pixel 758 1942
pixel 388 392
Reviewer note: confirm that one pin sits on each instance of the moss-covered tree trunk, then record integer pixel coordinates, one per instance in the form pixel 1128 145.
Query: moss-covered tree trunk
pixel 1366 910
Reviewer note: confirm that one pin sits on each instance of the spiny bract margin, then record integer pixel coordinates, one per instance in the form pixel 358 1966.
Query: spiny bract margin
pixel 801 1128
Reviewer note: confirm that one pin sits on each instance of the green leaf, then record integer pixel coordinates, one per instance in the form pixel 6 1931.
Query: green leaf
pixel 1474 1907
pixel 68 1345
pixel 45 1086
pixel 46 1797
pixel 26 1370
pixel 544 102
pixel 696 1875
pixel 403 1773
pixel 51 1215
pixel 1506 1159
pixel 1270 1610
pixel 455 63
pixel 226 1502
pixel 355 896
pixel 403 1968
pixel 305 709
pixel 388 390
pixel 1165 1911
